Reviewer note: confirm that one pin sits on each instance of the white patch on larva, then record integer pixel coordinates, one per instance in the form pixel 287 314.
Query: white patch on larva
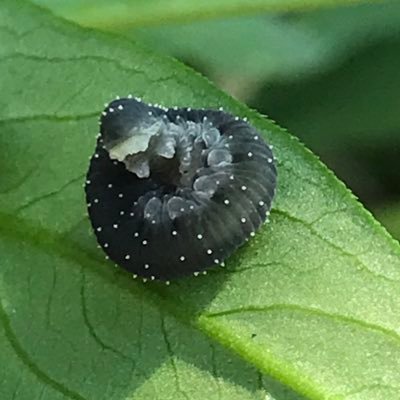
pixel 196 273
pixel 96 200
pixel 144 280
pixel 232 178
pixel 236 118
pixel 89 205
pixel 199 236
pixel 134 276
pixel 182 258
pixel 146 266
pixel 261 203
pixel 153 221
pixel 152 277
pixel 136 234
pixel 88 182
pixel 150 113
pixel 221 109
pixel 189 109
pixel 209 251
pixel 110 185
pixel 120 195
pixel 244 188
pixel 98 229
pixel 252 234
pixel 243 220
pixel 132 214
pixel 216 261
pixel 105 245
pixel 129 96
pixel 191 207
pixel 174 233
pixel 120 107
pixel 250 154
pixel 167 283
pixel 245 119
pixel 144 242
pixel 127 257
pixel 226 201
pixel 230 137
pixel 115 226
pixel 269 160
pixel 104 114
pixel 255 137
pixel 96 155
pixel 267 213
pixel 148 215
pixel 222 264
pixel 271 146
pixel 111 109
pixel 121 212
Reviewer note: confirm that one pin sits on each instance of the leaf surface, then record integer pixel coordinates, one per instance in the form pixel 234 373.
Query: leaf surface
pixel 313 300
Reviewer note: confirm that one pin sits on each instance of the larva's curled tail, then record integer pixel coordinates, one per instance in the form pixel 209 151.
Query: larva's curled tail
pixel 171 192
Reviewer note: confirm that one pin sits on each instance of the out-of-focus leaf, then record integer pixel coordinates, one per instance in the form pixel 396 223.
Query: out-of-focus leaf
pixel 133 13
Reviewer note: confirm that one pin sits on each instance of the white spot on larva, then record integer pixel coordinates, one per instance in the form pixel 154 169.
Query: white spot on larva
pixel 196 273
pixel 107 258
pixel 134 276
pixel 191 207
pixel 144 280
pixel 96 155
pixel 174 233
pixel 104 113
pixel 182 258
pixel 129 96
pixel 271 146
pixel 136 234
pixel 127 257
pixel 118 97
pixel 167 283
pixel 267 213
pixel 146 266
pixel 199 236
pixel 217 182
pixel 222 264
pixel 221 109
pixel 88 182
pixel 120 107
pixel 150 113
pixel 152 277
pixel 269 160
pixel 216 261
pixel 115 162
pixel 96 200
pixel 144 242
pixel 111 109
pixel 236 118
pixel 89 205
pixel 153 221
pixel 245 119
pixel 120 195
pixel 121 212
pixel 109 185
pixel 230 137
pixel 189 109
pixel 243 220
pixel 252 234
pixel 99 229
pixel 182 209
pixel 205 118
pixel 232 178
pixel 244 188
pixel 261 203
pixel 250 154
pixel 226 201
pixel 209 251
pixel 255 137
pixel 148 215
pixel 132 214
pixel 115 226
pixel 105 245
pixel 204 272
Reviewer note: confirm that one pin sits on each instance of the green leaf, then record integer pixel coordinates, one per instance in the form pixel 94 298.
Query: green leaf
pixel 133 13
pixel 313 300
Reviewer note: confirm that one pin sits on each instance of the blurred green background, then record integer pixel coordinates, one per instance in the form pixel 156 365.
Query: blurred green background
pixel 330 75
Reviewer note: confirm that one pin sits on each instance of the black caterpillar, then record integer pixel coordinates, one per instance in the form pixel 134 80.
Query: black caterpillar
pixel 171 192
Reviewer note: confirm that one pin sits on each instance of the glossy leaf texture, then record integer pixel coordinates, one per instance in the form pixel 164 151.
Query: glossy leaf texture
pixel 312 301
